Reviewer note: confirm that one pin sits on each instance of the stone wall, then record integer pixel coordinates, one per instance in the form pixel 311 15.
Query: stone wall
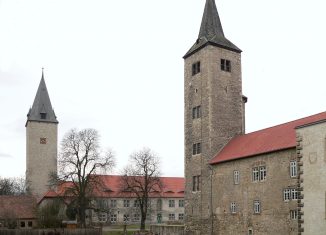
pixel 312 153
pixel 274 217
pixel 167 229
pixel 41 155
pixel 219 94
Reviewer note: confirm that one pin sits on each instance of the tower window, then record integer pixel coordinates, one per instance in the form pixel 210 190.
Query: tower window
pixel 195 68
pixel 293 169
pixel 196 112
pixel 225 65
pixel 195 183
pixel 43 115
pixel 236 177
pixel 196 148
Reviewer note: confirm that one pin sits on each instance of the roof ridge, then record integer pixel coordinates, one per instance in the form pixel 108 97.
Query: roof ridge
pixel 281 124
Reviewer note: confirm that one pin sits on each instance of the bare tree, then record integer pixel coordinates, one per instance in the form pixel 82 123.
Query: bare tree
pixel 80 160
pixel 141 179
pixel 12 186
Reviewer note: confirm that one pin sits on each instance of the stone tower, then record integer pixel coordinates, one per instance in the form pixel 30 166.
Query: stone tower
pixel 214 113
pixel 41 142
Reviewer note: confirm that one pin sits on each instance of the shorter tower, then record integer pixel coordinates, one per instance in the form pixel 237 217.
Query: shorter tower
pixel 41 142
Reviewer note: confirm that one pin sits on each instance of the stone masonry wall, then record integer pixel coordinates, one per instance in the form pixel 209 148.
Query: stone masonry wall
pixel 274 217
pixel 41 157
pixel 219 94
pixel 312 151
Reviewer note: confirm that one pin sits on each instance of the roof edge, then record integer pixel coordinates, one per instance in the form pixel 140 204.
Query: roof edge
pixel 249 156
pixel 310 124
pixel 189 53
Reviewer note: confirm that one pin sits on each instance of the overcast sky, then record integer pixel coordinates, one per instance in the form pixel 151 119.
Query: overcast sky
pixel 117 66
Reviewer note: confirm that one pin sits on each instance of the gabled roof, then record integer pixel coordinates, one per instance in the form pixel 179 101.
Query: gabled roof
pixel 42 106
pixel 268 140
pixel 173 187
pixel 211 31
pixel 20 207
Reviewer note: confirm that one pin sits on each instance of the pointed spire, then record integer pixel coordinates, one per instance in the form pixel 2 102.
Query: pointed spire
pixel 41 110
pixel 211 31
pixel 211 24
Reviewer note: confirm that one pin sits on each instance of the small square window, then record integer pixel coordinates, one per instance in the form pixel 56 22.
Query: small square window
pixel 30 223
pixel 293 214
pixel 43 115
pixel 126 218
pixel 196 148
pixel 195 68
pixel 22 224
pixel 126 203
pixel 171 203
pixel 196 112
pixel 113 218
pixel 226 65
pixel 181 216
pixel 171 217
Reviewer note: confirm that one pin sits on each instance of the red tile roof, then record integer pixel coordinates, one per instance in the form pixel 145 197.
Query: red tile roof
pixel 264 141
pixel 19 207
pixel 172 187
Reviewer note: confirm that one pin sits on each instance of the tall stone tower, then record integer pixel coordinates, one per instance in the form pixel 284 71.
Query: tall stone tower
pixel 214 113
pixel 41 142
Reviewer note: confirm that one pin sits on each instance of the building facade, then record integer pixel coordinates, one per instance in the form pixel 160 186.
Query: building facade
pixel 41 142
pixel 112 205
pixel 265 182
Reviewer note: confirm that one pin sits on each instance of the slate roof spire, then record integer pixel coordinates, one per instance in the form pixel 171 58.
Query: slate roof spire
pixel 41 110
pixel 211 31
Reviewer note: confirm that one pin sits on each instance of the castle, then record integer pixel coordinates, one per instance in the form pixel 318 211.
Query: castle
pixel 266 182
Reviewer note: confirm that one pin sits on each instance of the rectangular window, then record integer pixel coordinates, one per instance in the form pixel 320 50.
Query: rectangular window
pixel 255 174
pixel 262 173
pixel 30 223
pixel 286 194
pixel 181 203
pixel 136 217
pixel 171 203
pixel 236 177
pixel 196 112
pixel 259 173
pixel 102 217
pixel 113 203
pixel 196 183
pixel 226 65
pixel 293 169
pixel 181 216
pixel 126 218
pixel 126 203
pixel 171 217
pixel 233 208
pixel 22 224
pixel 290 194
pixel 196 148
pixel 257 207
pixel 293 214
pixel 195 68
pixel 113 218
pixel 250 231
pixel 294 194
pixel 136 203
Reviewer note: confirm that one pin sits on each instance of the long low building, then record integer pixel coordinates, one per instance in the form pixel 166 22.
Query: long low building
pixel 112 205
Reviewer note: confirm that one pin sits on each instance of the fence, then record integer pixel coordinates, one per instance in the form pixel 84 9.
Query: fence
pixel 50 231
pixel 167 229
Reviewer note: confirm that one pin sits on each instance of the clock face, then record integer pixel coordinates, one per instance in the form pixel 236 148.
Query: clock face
pixel 42 140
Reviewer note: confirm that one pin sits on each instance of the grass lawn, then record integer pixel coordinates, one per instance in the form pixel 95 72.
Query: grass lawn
pixel 117 233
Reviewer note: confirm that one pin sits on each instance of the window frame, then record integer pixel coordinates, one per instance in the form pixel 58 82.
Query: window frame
pixel 195 68
pixel 293 169
pixel 257 207
pixel 171 217
pixel 225 65
pixel 294 214
pixel 196 148
pixel 236 177
pixel 181 216
pixel 171 203
pixel 196 112
pixel 181 203
pixel 126 203
pixel 233 208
